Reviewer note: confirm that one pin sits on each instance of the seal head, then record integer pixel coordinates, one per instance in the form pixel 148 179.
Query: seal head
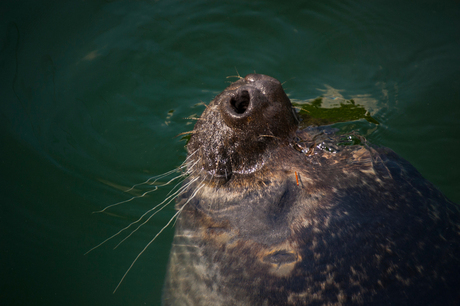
pixel 243 123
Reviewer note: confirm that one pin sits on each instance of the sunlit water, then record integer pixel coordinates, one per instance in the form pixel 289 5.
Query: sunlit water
pixel 94 93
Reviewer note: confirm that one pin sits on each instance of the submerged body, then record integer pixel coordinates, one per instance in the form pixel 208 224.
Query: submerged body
pixel 279 216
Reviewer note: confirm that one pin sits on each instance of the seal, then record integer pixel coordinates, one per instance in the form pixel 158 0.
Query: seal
pixel 273 215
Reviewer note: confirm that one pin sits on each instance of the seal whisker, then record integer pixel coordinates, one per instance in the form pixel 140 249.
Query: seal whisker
pixel 155 178
pixel 160 176
pixel 170 199
pixel 153 239
pixel 269 136
pixel 193 118
pixel 125 201
pixel 201 185
pixel 287 81
pixel 188 172
pixel 186 133
pixel 200 103
pixel 184 165
pixel 235 76
pixel 187 160
pixel 142 195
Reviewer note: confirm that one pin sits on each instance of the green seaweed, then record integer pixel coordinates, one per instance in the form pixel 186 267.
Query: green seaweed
pixel 313 114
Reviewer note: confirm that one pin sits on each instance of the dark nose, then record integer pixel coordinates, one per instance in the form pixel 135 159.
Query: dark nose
pixel 240 102
pixel 243 106
pixel 258 104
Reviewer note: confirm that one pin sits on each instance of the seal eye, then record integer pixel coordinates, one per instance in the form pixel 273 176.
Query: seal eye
pixel 240 103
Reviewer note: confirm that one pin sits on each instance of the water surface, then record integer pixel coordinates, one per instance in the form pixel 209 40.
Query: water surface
pixel 94 93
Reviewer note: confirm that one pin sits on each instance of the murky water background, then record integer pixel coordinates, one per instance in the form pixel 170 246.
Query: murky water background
pixel 93 94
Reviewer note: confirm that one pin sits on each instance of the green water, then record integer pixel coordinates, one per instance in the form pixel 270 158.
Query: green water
pixel 93 94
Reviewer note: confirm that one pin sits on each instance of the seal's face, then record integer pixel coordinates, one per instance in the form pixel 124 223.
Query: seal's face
pixel 252 116
pixel 240 156
pixel 272 215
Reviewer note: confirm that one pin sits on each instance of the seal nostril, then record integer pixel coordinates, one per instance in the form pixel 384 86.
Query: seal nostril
pixel 240 103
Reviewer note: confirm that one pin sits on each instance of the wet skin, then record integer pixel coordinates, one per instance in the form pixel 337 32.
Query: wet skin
pixel 274 215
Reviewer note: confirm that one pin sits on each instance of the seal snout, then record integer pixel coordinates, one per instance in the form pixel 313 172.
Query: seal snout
pixel 248 99
pixel 251 116
pixel 258 104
